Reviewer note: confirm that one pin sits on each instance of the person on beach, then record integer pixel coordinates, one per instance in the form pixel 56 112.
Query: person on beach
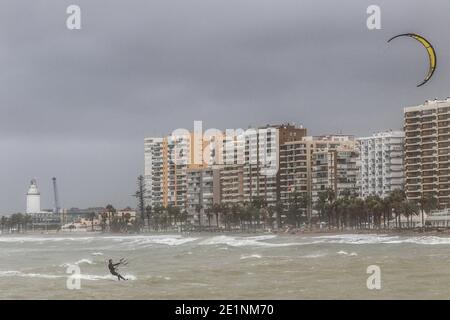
pixel 113 269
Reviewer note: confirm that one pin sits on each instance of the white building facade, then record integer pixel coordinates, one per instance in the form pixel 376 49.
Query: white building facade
pixel 261 164
pixel 153 171
pixel 382 169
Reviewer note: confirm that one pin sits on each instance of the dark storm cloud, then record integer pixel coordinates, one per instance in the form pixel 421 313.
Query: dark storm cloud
pixel 77 104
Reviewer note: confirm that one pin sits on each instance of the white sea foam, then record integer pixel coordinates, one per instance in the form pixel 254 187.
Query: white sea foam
pixel 14 273
pixel 144 241
pixel 89 277
pixel 425 240
pixel 261 238
pixel 345 253
pixel 382 239
pixel 139 240
pixel 93 277
pixel 356 238
pixel 258 241
pixel 39 239
pixel 170 240
pixel 252 256
pixel 97 253
pixel 86 261
pixel 314 255
pixel 81 261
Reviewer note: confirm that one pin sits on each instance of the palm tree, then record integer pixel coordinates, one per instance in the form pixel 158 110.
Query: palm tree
pixel 234 214
pixel 92 217
pixel 183 218
pixel 271 210
pixel 157 213
pixel 226 213
pixel 148 213
pixel 3 222
pixel 104 219
pixel 427 203
pixel 198 209
pixel 16 221
pixel 209 214
pixel 28 220
pixel 216 208
pixel 396 199
pixel 374 208
pixel 386 209
pixel 165 217
pixel 169 211
pixel 325 206
pixel 409 209
pixel 176 213
pixel 320 206
pixel 278 209
pixel 293 209
pixel 110 211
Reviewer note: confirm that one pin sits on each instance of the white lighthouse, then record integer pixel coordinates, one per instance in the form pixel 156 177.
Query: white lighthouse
pixel 33 198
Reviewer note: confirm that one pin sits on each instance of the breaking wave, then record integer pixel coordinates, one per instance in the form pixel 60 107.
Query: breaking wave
pixel 224 241
pixel 383 239
pixel 140 240
pixel 81 261
pixel 345 253
pixel 258 241
pixel 87 261
pixel 314 255
pixel 91 277
pixel 353 239
pixel 252 256
pixel 14 273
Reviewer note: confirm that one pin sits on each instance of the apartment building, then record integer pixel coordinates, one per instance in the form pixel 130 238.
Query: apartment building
pixel 382 169
pixel 153 170
pixel 247 163
pixel 427 151
pixel 166 162
pixel 335 166
pixel 203 191
pixel 316 164
pixel 262 158
pixel 232 184
pixel 295 169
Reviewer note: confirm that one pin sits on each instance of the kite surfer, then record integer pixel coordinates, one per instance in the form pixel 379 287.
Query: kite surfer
pixel 113 268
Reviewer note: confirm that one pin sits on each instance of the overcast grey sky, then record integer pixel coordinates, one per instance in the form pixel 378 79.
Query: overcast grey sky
pixel 78 104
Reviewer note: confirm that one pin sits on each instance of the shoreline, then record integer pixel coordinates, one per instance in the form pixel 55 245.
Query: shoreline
pixel 292 233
